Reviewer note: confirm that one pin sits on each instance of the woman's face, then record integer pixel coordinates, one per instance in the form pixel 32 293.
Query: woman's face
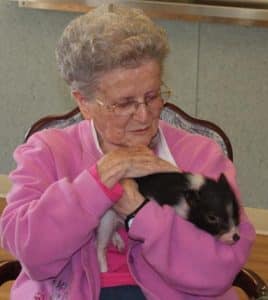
pixel 118 86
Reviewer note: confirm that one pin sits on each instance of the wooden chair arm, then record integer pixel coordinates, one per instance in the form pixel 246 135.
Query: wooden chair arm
pixel 252 284
pixel 9 270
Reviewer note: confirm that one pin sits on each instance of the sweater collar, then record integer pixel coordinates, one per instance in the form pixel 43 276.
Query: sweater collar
pixel 91 146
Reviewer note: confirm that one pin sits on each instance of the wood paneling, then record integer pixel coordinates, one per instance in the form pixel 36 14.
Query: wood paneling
pixel 258 260
pixel 248 13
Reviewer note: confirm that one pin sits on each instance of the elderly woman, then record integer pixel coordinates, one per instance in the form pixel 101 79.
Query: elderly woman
pixel 67 179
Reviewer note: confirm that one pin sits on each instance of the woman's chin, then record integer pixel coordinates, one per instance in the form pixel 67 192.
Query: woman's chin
pixel 141 137
pixel 142 140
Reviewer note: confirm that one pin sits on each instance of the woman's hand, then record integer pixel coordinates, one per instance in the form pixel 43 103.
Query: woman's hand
pixel 130 200
pixel 130 162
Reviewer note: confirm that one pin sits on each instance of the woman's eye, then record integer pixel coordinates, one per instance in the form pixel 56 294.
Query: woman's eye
pixel 125 104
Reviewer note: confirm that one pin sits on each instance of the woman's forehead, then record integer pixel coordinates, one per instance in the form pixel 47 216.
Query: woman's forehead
pixel 124 81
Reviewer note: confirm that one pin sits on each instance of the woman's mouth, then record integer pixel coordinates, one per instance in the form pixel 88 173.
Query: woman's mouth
pixel 140 130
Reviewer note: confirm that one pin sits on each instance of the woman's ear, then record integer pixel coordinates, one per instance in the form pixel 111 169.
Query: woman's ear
pixel 78 97
pixel 83 104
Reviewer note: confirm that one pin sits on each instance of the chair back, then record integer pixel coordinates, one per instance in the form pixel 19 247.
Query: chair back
pixel 180 119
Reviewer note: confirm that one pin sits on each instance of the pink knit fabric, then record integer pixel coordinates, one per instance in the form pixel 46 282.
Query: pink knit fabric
pixel 114 193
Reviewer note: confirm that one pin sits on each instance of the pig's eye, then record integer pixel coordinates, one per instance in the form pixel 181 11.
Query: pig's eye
pixel 211 218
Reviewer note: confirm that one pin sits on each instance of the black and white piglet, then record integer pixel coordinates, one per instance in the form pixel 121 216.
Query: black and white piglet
pixel 209 204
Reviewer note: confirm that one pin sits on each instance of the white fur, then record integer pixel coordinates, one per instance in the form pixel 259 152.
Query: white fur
pixel 228 237
pixel 196 181
pixel 182 209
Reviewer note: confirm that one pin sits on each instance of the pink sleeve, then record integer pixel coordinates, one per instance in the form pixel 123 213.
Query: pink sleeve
pixel 185 257
pixel 40 203
pixel 114 193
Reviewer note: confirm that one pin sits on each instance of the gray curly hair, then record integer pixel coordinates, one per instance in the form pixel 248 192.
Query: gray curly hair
pixel 108 37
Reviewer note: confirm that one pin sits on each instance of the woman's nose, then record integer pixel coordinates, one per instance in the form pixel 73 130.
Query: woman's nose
pixel 142 112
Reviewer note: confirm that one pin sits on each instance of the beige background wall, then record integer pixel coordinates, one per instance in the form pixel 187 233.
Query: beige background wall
pixel 218 72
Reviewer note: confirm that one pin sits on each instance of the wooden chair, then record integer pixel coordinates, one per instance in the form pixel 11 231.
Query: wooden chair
pixel 247 280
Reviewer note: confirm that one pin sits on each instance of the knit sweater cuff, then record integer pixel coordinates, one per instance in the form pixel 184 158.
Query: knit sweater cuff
pixel 114 193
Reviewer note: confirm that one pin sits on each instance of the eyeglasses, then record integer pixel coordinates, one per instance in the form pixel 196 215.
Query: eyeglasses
pixel 153 101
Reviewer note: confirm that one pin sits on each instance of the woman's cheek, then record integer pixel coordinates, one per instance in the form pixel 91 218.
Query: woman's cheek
pixel 115 134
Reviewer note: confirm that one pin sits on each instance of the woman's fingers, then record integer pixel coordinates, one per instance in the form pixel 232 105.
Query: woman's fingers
pixel 131 162
pixel 141 166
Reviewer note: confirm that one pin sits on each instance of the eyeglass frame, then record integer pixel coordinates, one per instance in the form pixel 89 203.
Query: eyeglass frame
pixel 112 107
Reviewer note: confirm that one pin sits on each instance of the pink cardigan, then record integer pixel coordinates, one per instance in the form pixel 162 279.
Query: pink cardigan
pixel 55 205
